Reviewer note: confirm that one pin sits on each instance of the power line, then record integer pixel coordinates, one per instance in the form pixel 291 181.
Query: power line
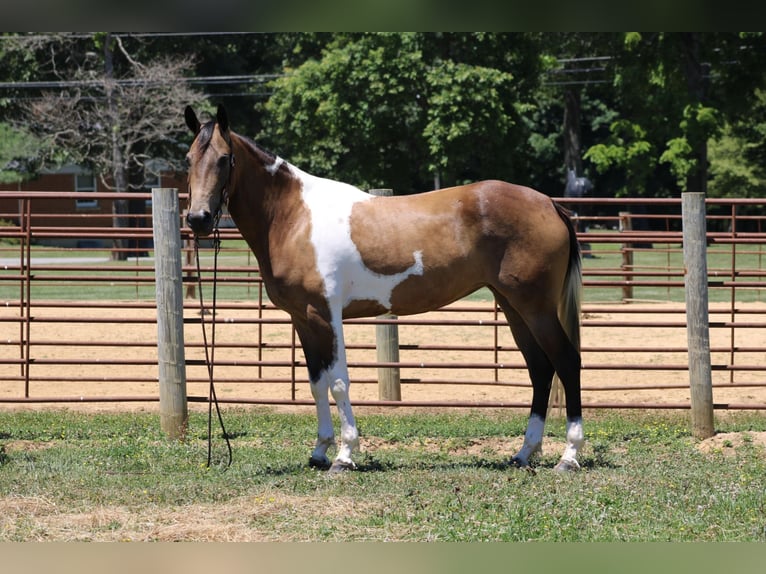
pixel 211 80
pixel 82 36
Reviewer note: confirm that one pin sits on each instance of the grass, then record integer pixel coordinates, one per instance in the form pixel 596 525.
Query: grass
pixel 427 476
pixel 234 253
pixel 661 257
pixel 119 284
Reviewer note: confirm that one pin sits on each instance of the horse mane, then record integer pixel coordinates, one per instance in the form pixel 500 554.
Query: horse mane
pixel 205 135
pixel 260 150
pixel 267 157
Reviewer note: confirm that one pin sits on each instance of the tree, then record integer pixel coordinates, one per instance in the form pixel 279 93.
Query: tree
pixel 738 155
pixel 111 111
pixel 355 113
pixel 17 151
pixel 675 93
pixel 404 110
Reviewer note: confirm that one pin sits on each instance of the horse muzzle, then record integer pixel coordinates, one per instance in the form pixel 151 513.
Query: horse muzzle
pixel 201 222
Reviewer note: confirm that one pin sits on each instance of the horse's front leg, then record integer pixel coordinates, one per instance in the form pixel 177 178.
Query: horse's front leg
pixel 323 346
pixel 349 434
pixel 339 382
pixel 325 432
pixel 336 378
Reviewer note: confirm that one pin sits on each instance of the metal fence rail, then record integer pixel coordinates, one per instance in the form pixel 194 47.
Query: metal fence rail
pixel 78 323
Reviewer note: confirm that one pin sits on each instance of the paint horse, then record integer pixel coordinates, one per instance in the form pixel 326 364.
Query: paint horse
pixel 329 251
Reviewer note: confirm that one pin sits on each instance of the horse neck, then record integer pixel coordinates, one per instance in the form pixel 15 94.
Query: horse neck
pixel 257 197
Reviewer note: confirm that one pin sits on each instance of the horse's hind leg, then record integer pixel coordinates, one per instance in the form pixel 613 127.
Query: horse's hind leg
pixel 547 349
pixel 541 374
pixel 565 357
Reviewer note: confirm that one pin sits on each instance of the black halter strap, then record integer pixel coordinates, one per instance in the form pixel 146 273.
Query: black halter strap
pixel 224 195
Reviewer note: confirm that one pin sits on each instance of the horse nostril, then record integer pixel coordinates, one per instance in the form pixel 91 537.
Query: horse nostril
pixel 200 221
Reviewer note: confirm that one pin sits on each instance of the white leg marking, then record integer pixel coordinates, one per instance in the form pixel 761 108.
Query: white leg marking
pixel 575 441
pixel 349 434
pixel 339 382
pixel 533 439
pixel 325 432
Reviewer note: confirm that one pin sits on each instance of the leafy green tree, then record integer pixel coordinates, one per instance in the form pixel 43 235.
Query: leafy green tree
pixel 627 146
pixel 404 110
pixel 469 119
pixel 17 152
pixel 676 92
pixel 354 113
pixel 738 155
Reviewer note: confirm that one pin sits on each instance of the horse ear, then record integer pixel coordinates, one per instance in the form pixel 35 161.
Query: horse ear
pixel 191 120
pixel 222 119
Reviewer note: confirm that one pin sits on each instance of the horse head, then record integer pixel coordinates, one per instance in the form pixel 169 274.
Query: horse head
pixel 210 160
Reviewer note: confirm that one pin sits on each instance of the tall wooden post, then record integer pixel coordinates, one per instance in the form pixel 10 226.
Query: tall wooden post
pixel 626 224
pixel 170 321
pixel 387 345
pixel 697 322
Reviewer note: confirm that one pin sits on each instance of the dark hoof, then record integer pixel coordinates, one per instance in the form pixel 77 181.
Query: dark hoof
pixel 320 463
pixel 567 466
pixel 339 467
pixel 518 463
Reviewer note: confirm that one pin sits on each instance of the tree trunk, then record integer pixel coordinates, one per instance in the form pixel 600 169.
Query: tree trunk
pixel 119 206
pixel 572 150
pixel 696 180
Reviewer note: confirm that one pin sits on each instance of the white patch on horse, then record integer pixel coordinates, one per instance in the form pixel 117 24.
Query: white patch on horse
pixel 533 438
pixel 575 440
pixel 274 167
pixel 346 277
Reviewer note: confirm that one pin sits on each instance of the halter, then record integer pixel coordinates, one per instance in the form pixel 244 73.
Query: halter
pixel 224 195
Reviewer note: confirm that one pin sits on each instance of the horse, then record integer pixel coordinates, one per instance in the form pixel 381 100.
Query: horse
pixel 328 251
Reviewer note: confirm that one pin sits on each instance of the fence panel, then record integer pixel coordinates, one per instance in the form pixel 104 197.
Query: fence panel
pixel 78 318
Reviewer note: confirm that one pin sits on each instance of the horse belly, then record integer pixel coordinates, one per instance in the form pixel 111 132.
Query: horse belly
pixel 433 291
pixel 413 295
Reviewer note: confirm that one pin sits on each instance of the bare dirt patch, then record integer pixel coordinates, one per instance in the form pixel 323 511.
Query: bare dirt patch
pixel 245 519
pixel 729 442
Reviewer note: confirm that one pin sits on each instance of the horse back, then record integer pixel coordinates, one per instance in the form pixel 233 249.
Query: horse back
pixel 459 239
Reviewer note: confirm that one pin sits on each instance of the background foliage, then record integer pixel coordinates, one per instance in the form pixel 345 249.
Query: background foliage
pixel 640 114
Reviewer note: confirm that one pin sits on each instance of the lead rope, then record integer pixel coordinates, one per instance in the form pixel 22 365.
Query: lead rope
pixel 210 349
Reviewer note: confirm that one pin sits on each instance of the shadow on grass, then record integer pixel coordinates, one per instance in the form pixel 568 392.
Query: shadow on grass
pixel 372 464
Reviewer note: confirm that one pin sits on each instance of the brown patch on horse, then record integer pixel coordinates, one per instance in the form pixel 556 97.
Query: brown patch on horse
pixel 488 231
pixel 285 254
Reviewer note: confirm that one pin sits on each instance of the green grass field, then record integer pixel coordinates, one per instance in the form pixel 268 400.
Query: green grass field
pixel 427 477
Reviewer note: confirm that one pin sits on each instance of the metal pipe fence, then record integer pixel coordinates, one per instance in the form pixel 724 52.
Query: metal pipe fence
pixel 78 320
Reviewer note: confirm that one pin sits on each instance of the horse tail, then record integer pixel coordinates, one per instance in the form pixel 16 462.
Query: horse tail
pixel 570 302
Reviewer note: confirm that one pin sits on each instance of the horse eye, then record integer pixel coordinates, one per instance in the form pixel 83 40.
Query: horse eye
pixel 223 161
pixel 188 160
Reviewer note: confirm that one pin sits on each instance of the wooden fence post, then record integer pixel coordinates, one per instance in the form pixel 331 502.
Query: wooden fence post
pixel 697 322
pixel 626 224
pixel 170 321
pixel 387 345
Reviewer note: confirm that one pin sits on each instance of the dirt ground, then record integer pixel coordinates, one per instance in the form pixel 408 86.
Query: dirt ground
pixel 623 364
